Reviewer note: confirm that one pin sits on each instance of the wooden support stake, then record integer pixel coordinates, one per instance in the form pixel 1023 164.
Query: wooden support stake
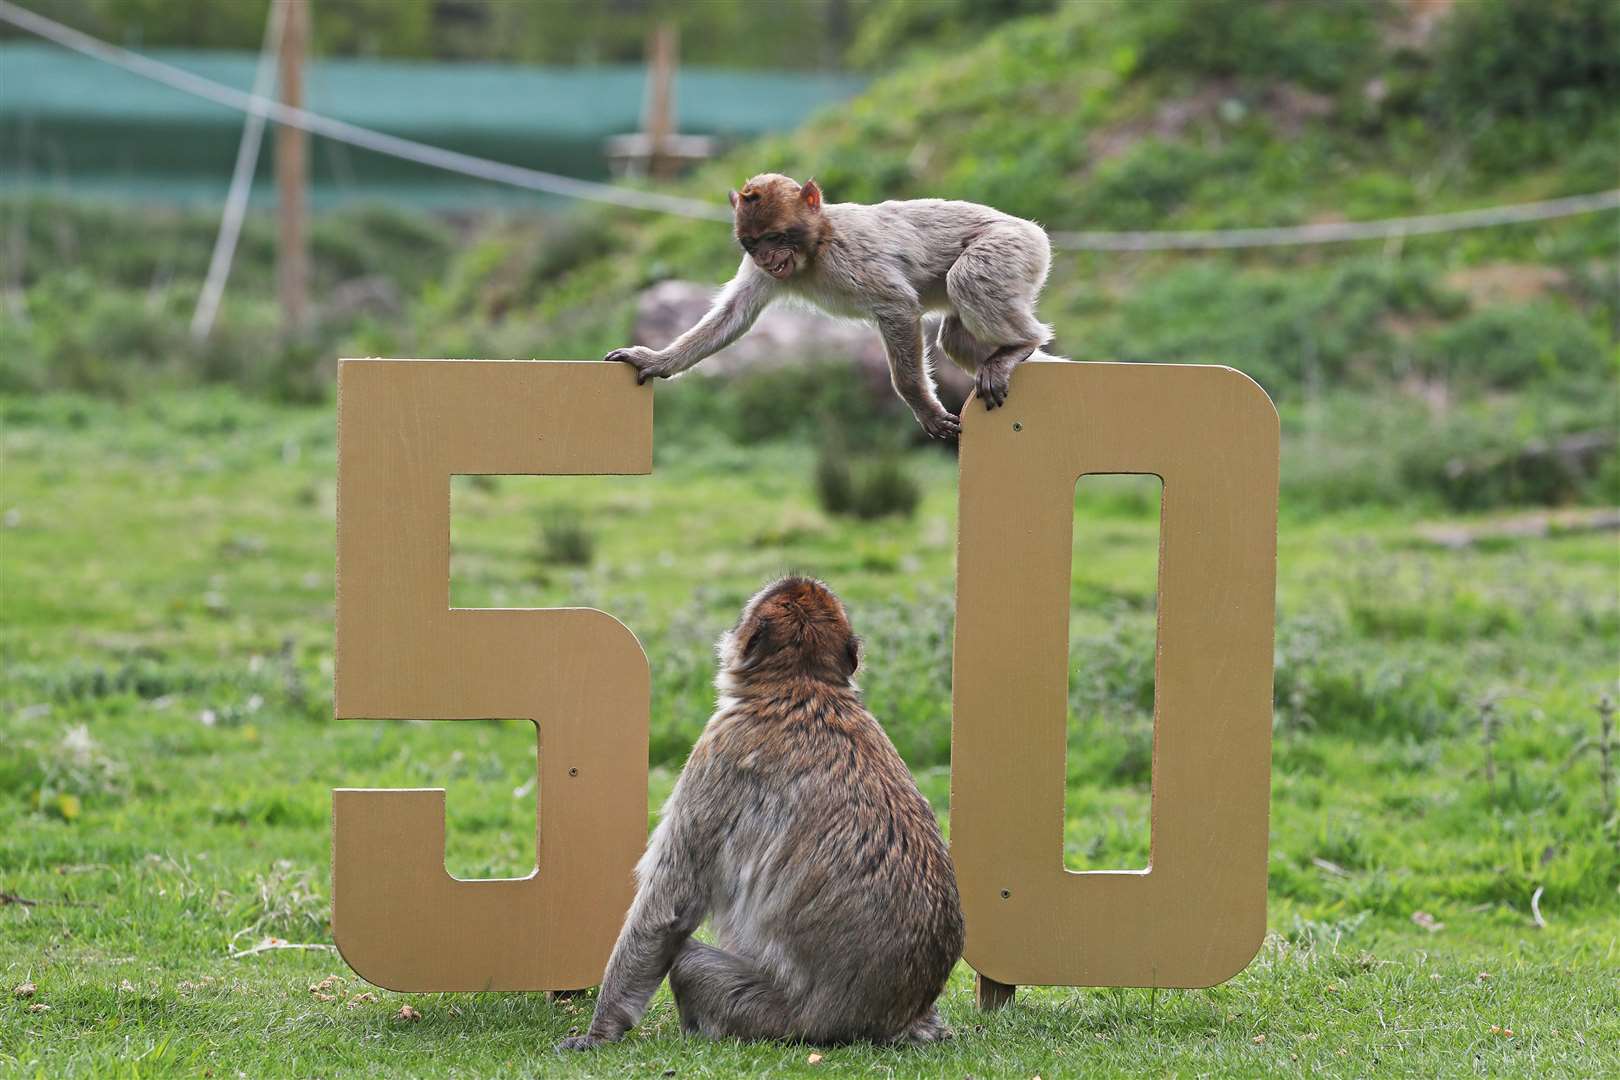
pixel 292 172
pixel 659 122
pixel 993 995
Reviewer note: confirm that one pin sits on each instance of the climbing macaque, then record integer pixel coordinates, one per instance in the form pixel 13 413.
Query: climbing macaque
pixel 887 263
pixel 797 832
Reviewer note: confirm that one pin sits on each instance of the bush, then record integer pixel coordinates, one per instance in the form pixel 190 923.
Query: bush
pixel 875 490
pixel 885 488
pixel 1319 45
pixel 565 540
pixel 807 400
pixel 1289 330
pixel 1511 347
pixel 1548 60
pixel 835 487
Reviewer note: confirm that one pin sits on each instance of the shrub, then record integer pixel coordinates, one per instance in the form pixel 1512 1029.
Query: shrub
pixel 886 488
pixel 867 491
pixel 835 487
pixel 1510 347
pixel 806 400
pixel 565 540
pixel 1553 60
pixel 1319 45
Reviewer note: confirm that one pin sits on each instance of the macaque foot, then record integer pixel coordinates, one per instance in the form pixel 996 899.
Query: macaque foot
pixel 928 1028
pixel 649 363
pixel 940 425
pixel 582 1042
pixel 992 382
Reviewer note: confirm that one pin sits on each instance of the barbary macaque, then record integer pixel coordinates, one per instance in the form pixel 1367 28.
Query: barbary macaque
pixel 887 263
pixel 798 833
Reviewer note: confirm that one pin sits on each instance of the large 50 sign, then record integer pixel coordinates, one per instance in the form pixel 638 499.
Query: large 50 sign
pixel 1194 917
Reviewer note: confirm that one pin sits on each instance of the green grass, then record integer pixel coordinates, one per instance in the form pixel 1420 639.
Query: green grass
pixel 167 753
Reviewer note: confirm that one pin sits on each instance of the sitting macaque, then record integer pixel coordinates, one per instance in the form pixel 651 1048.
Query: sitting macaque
pixel 887 263
pixel 797 831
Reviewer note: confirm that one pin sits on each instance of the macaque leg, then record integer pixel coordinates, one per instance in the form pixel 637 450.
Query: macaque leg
pixel 966 351
pixel 994 376
pixel 721 995
pixel 908 370
pixel 992 287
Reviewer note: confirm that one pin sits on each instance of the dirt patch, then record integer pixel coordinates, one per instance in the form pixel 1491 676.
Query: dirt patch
pixel 1286 107
pixel 1505 283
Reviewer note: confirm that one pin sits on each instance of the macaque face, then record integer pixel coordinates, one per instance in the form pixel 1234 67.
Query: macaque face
pixel 779 252
pixel 776 222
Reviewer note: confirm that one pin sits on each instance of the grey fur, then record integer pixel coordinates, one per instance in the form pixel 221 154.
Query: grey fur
pixel 887 264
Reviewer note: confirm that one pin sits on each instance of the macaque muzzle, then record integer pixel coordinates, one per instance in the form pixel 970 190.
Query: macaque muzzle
pixel 777 262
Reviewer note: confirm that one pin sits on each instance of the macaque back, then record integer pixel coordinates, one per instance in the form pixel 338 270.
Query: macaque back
pixel 796 829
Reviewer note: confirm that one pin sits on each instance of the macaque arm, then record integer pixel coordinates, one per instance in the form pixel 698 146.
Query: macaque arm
pixel 672 900
pixel 734 311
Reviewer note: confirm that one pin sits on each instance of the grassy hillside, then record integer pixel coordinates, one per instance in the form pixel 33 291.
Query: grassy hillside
pixel 1397 365
pixel 1420 370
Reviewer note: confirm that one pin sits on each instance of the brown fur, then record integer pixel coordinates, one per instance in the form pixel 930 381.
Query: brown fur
pixel 798 832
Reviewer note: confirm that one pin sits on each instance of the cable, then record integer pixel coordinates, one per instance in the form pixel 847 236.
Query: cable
pixel 591 191
pixel 354 135
pixel 1338 232
pixel 236 200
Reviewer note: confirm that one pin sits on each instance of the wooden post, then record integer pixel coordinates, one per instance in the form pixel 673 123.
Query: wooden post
pixel 292 172
pixel 659 122
pixel 991 994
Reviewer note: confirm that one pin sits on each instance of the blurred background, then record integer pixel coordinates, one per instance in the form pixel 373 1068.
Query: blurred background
pixel 178 279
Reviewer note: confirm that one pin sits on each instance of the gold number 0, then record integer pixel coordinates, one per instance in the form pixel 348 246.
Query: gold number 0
pixel 400 920
pixel 1196 916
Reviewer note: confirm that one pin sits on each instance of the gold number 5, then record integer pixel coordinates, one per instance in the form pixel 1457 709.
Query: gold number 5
pixel 399 918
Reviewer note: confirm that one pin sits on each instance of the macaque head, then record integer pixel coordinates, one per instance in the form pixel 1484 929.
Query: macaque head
pixel 792 628
pixel 778 222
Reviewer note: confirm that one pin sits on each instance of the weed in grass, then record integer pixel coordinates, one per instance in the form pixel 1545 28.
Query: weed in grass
pixel 283 902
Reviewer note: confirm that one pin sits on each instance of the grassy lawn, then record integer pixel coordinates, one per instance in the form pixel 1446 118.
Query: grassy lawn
pixel 167 753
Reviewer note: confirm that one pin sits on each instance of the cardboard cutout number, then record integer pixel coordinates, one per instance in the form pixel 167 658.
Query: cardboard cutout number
pixel 1193 918
pixel 399 918
pixel 1196 916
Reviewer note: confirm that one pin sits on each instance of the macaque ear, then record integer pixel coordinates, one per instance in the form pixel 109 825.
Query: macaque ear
pixel 732 196
pixel 811 194
pixel 852 655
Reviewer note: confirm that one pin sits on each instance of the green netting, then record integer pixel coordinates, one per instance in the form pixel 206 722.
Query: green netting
pixel 73 125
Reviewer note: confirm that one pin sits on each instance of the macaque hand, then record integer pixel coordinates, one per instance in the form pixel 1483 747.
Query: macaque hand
pixel 940 424
pixel 649 363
